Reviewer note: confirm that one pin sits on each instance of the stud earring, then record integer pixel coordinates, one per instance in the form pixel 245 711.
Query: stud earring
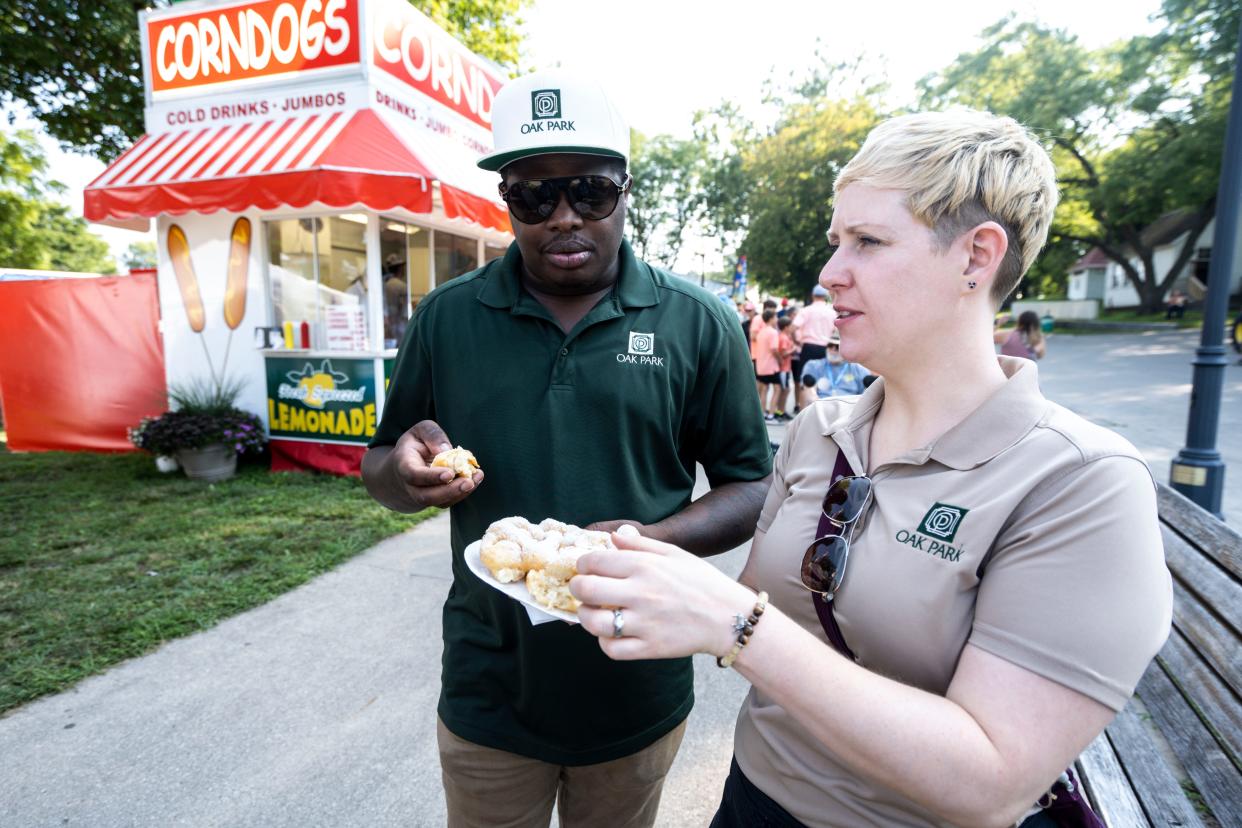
pixel 972 285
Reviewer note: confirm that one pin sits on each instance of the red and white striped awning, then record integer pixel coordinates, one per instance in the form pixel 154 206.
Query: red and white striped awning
pixel 333 159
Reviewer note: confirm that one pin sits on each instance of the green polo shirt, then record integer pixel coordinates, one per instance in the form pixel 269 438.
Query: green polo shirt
pixel 604 423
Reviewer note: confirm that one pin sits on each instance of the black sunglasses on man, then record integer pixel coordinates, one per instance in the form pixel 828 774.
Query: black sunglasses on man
pixel 593 197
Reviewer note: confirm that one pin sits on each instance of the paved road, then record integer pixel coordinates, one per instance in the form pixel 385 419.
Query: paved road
pixel 318 708
pixel 1139 385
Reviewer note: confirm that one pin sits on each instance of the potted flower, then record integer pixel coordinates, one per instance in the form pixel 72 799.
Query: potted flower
pixel 205 432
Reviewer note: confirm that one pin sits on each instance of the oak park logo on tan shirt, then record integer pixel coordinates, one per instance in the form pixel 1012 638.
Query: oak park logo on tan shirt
pixel 936 532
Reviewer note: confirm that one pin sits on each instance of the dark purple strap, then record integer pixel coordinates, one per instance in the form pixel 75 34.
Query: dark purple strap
pixel 824 608
pixel 1067 806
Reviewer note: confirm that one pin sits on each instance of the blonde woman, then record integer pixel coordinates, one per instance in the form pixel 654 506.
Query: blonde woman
pixel 959 582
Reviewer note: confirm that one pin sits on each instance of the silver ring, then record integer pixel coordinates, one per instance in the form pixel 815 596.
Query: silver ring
pixel 618 623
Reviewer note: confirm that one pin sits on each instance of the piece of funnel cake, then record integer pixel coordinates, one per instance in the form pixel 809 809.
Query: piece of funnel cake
pixel 460 460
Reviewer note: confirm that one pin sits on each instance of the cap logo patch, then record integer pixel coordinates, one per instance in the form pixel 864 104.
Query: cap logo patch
pixel 545 103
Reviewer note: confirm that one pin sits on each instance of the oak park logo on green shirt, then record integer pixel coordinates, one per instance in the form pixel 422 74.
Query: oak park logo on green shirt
pixel 936 532
pixel 641 350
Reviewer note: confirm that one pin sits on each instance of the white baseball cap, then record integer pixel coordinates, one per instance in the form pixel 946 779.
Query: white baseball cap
pixel 553 112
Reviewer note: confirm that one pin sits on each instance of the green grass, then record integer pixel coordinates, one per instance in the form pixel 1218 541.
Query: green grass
pixel 1192 319
pixel 102 558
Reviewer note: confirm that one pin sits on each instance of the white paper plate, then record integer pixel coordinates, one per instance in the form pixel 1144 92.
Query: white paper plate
pixel 538 613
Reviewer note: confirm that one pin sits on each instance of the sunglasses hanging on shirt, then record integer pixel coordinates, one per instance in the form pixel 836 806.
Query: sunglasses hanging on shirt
pixel 823 565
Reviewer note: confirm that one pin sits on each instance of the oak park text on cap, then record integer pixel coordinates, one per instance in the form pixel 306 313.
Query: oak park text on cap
pixel 555 112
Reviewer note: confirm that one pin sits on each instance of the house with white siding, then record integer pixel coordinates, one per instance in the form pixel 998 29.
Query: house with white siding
pixel 1095 276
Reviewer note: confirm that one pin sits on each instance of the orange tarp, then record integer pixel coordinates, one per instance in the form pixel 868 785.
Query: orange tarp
pixel 80 361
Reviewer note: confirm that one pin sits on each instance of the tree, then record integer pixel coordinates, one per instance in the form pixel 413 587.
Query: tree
pixel 667 196
pixel 1135 129
pixel 767 193
pixel 22 167
pixel 792 172
pixel 35 231
pixel 724 135
pixel 486 27
pixel 89 94
pixel 70 245
pixel 140 255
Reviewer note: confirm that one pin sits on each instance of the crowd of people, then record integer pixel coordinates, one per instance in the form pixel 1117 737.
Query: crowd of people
pixel 796 352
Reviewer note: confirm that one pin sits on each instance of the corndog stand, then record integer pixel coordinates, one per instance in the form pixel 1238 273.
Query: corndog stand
pixel 310 166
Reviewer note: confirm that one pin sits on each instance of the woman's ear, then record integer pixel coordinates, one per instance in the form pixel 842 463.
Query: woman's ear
pixel 986 246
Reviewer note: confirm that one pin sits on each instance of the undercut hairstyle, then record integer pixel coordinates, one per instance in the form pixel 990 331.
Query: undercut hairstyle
pixel 960 169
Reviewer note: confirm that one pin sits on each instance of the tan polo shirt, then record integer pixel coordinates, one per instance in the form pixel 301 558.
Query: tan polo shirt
pixel 1024 530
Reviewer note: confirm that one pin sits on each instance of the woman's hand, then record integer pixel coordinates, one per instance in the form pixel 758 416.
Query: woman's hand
pixel 673 604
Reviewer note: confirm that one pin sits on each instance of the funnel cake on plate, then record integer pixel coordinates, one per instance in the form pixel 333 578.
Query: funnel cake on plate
pixel 543 555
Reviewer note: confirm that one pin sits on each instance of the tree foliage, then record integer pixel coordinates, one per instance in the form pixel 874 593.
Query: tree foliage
pixel 667 197
pixel 768 192
pixel 141 254
pixel 724 135
pixel 35 230
pixel 486 27
pixel 77 66
pixel 792 171
pixel 1135 128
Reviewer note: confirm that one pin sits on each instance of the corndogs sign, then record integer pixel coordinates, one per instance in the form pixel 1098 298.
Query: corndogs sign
pixel 224 45
pixel 418 53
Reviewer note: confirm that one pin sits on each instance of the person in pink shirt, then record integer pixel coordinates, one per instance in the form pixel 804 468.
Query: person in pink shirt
pixel 768 364
pixel 786 351
pixel 757 324
pixel 814 325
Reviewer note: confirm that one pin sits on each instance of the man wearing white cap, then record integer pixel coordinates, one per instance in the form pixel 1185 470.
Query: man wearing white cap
pixel 588 384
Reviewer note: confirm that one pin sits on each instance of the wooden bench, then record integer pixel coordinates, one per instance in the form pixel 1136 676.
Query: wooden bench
pixel 1172 757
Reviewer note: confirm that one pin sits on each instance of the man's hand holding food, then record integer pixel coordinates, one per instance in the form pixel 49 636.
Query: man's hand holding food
pixel 407 480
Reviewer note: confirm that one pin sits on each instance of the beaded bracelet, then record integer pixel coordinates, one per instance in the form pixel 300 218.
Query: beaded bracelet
pixel 744 627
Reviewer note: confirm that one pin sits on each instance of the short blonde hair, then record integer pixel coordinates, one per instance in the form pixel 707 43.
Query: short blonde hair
pixel 960 169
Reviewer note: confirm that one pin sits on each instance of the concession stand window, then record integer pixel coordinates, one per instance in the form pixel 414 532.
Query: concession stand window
pixel 306 199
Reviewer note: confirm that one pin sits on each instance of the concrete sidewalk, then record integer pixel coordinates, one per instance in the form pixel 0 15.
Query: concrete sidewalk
pixel 315 709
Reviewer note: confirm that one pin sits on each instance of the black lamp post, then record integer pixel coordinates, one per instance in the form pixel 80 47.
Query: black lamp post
pixel 1198 470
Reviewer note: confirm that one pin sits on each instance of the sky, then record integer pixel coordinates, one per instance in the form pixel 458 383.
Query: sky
pixel 662 60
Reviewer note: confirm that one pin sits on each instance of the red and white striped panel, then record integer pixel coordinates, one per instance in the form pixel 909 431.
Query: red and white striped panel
pixel 247 149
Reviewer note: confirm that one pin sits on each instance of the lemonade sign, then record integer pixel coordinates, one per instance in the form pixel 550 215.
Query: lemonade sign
pixel 321 401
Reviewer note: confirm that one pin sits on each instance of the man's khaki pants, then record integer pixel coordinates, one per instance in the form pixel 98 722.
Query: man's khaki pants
pixel 489 788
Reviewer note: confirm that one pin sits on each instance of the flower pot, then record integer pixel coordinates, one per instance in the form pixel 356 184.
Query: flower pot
pixel 166 464
pixel 210 463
